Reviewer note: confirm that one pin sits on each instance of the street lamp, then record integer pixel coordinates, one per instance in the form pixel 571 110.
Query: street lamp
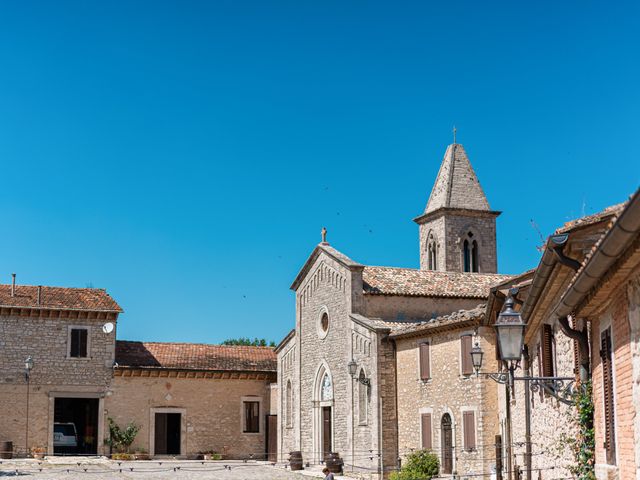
pixel 353 370
pixel 510 330
pixel 28 366
pixel 476 357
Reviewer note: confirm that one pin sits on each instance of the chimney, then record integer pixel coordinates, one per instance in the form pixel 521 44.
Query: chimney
pixel 13 284
pixel 39 293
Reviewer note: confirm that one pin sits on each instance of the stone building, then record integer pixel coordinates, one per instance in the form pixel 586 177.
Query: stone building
pixel 70 335
pixel 186 398
pixel 556 345
pixel 337 372
pixel 442 405
pixel 189 398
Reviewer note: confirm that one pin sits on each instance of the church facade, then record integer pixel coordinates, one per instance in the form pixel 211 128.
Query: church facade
pixel 338 369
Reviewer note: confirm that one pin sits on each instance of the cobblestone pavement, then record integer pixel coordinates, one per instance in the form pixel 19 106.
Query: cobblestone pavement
pixel 101 469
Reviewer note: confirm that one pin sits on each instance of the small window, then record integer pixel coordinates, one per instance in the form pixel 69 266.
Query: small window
pixel 465 354
pixel 289 411
pixel 251 417
pixel 363 394
pixel 470 254
pixel 324 322
pixel 426 431
pixel 78 343
pixel 469 426
pixel 432 253
pixel 425 366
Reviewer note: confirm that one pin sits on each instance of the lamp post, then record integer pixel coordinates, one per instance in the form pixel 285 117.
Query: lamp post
pixel 510 329
pixel 28 366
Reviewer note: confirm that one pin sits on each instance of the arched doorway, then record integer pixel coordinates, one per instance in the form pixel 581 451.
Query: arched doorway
pixel 323 406
pixel 446 433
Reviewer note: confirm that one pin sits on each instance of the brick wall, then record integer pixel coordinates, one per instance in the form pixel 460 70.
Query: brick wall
pixel 625 409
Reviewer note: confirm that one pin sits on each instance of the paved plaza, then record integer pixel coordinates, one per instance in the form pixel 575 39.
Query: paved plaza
pixel 102 469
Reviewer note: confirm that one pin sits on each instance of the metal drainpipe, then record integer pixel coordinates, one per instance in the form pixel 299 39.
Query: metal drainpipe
pixel 527 413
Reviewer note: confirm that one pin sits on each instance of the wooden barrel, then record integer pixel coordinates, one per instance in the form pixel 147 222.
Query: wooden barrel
pixel 295 460
pixel 334 462
pixel 6 450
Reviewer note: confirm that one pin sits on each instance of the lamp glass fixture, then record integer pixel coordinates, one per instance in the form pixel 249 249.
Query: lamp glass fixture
pixel 476 357
pixel 353 368
pixel 28 363
pixel 510 332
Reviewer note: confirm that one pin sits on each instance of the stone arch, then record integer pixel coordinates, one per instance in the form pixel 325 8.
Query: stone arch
pixel 322 405
pixel 432 248
pixel 363 397
pixel 471 246
pixel 447 412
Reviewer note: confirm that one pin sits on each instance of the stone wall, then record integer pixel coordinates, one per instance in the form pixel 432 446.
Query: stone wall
pixel 447 391
pixel 451 230
pixel 46 340
pixel 288 367
pixel 551 421
pixel 399 308
pixel 211 411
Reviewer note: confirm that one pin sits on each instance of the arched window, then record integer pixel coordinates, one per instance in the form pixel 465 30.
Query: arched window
pixel 469 254
pixel 289 400
pixel 363 399
pixel 432 253
pixel 326 390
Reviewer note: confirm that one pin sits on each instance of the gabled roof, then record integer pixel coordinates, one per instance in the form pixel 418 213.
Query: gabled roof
pixel 459 319
pixel 428 283
pixel 58 298
pixel 456 185
pixel 331 252
pixel 194 356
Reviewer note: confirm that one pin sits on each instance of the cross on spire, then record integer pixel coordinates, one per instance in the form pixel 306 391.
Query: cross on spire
pixel 454 134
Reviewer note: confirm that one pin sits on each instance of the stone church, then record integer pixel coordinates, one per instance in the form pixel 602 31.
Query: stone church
pixel 338 370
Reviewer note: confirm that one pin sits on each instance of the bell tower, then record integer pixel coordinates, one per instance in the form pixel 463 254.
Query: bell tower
pixel 457 228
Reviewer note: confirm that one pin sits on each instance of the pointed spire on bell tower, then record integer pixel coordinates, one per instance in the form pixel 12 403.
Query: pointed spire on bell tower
pixel 457 228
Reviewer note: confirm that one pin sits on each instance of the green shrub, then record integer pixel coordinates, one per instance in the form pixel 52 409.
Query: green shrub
pixel 121 438
pixel 420 465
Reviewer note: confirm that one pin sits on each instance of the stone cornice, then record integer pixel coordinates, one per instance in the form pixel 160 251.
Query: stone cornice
pixel 455 211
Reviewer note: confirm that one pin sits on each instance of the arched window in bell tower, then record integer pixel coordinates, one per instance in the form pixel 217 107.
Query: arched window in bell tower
pixel 432 254
pixel 469 254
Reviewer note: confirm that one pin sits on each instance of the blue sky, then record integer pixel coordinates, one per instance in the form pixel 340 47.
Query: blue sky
pixel 185 155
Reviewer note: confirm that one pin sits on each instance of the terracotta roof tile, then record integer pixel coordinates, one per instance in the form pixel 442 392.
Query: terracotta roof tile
pixel 612 211
pixel 428 283
pixel 195 356
pixel 58 298
pixel 461 316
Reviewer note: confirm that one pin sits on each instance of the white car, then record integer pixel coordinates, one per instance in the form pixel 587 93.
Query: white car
pixel 65 435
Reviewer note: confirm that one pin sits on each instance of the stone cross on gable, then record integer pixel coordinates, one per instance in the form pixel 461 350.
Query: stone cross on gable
pixel 324 235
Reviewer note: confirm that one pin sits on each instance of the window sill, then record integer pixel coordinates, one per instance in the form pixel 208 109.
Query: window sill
pixel 78 358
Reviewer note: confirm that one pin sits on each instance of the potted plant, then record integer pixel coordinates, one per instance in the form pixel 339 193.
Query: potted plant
pixel 211 455
pixel 121 439
pixel 141 454
pixel 38 452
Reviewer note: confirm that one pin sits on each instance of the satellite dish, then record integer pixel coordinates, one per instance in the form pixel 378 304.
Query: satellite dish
pixel 107 327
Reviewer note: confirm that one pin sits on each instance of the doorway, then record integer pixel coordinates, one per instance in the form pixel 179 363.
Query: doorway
pixel 75 426
pixel 167 433
pixel 272 438
pixel 326 432
pixel 447 444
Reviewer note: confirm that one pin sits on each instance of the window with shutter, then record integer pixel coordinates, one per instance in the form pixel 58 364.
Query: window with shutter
pixel 548 363
pixel 426 432
pixel 469 425
pixel 78 338
pixel 465 352
pixel 576 348
pixel 608 394
pixel 425 366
